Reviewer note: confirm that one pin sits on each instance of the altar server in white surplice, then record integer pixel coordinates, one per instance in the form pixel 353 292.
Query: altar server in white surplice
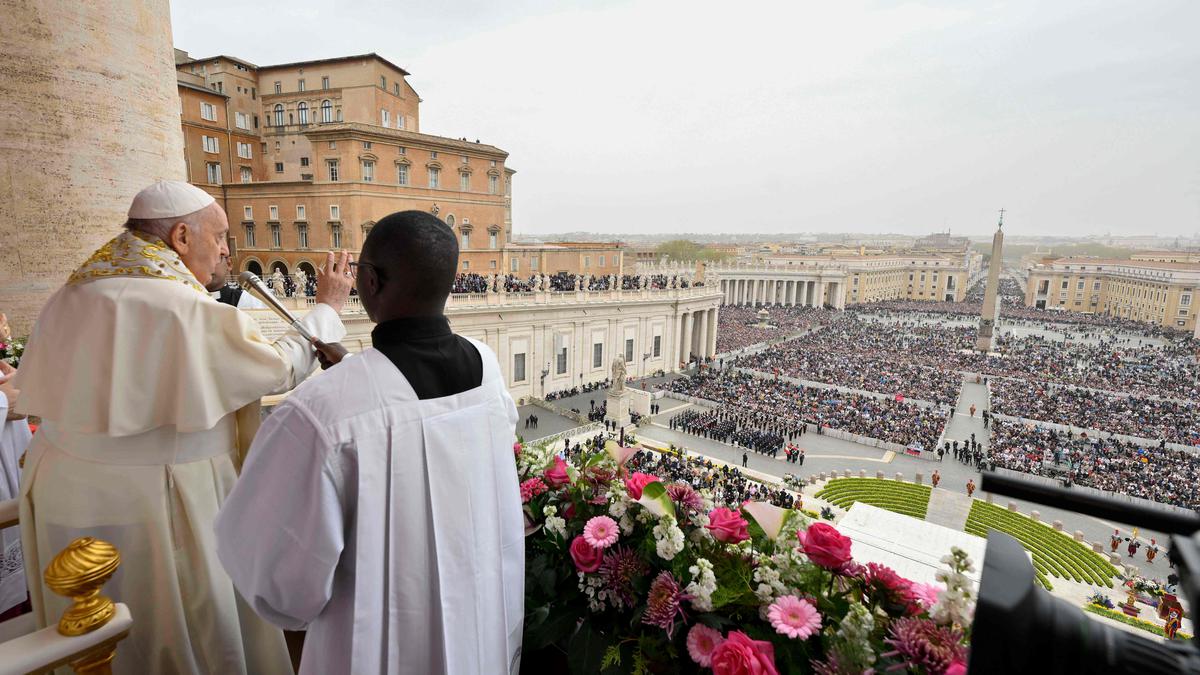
pixel 147 388
pixel 379 506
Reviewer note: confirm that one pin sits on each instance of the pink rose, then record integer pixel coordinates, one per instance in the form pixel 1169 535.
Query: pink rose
pixel 825 546
pixel 635 483
pixel 727 526
pixel 739 655
pixel 587 558
pixel 556 476
pixel 516 449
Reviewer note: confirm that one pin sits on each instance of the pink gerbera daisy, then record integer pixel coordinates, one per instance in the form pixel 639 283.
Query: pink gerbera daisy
pixel 601 532
pixel 701 641
pixel 794 617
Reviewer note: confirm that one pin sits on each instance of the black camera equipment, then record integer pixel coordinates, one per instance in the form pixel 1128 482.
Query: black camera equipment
pixel 1021 628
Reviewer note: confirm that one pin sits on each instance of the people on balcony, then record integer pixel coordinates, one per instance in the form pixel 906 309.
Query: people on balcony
pixel 148 391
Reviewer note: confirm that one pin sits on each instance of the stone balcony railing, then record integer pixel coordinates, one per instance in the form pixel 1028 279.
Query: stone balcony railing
pixel 538 298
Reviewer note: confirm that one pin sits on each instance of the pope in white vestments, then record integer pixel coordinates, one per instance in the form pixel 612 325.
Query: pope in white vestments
pixel 379 505
pixel 147 387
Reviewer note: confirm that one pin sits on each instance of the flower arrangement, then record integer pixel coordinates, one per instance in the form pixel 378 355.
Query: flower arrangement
pixel 1100 600
pixel 11 350
pixel 628 572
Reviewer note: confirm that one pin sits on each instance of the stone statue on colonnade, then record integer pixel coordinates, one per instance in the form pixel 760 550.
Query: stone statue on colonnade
pixel 618 375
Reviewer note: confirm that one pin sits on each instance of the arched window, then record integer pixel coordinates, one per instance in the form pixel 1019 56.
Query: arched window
pixel 278 114
pixel 302 112
pixel 326 112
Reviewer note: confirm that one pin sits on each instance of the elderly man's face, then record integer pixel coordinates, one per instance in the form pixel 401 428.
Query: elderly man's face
pixel 205 250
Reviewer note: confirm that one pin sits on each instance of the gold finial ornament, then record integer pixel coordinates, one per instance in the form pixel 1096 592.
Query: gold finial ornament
pixel 78 572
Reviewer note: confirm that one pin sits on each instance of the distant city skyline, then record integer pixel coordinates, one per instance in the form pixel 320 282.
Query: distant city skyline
pixel 677 118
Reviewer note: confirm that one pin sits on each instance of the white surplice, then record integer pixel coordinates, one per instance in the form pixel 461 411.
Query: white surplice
pixel 139 382
pixel 388 526
pixel 14 439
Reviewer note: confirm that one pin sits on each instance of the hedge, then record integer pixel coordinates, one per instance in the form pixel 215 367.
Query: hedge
pixel 908 499
pixel 1132 621
pixel 1054 553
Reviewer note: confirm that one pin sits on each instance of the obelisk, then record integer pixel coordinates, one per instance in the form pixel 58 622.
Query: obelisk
pixel 991 304
pixel 89 115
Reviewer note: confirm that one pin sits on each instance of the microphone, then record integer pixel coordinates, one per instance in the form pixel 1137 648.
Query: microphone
pixel 255 286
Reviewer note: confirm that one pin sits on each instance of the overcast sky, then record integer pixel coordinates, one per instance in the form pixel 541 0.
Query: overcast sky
pixel 1079 117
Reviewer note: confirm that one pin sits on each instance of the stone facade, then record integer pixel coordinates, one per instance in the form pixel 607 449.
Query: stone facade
pixel 1144 290
pixel 551 341
pixel 89 116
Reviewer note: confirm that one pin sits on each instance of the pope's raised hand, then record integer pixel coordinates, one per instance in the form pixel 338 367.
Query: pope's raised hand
pixel 334 280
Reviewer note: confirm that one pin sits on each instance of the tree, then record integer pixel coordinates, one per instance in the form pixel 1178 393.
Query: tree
pixel 684 250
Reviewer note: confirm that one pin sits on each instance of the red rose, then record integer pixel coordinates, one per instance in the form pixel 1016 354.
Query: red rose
pixel 825 546
pixel 556 476
pixel 586 557
pixel 727 526
pixel 739 655
pixel 635 483
pixel 569 512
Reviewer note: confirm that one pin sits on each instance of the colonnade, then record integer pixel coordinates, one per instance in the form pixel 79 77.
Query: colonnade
pixel 697 335
pixel 783 292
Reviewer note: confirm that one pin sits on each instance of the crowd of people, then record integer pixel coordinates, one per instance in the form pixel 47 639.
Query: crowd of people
pixel 727 485
pixel 1166 419
pixel 739 327
pixel 858 354
pixel 1148 471
pixel 1017 314
pixel 728 426
pixel 562 282
pixel 764 404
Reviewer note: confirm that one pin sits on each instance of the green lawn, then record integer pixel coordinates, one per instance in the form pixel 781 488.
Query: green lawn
pixel 909 499
pixel 1054 553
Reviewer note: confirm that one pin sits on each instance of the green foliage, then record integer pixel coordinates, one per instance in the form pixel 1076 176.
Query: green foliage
pixel 1054 553
pixel 686 250
pixel 908 499
pixel 1124 618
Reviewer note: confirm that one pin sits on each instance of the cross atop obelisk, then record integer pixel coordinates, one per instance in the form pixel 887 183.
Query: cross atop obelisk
pixel 991 304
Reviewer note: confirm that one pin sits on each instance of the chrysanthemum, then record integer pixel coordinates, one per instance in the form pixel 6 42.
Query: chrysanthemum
pixel 620 567
pixel 663 602
pixel 923 645
pixel 701 641
pixel 794 617
pixel 601 532
pixel 684 496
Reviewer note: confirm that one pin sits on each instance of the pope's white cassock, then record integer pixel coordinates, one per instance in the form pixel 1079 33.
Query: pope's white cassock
pixel 147 387
pixel 396 533
pixel 14 439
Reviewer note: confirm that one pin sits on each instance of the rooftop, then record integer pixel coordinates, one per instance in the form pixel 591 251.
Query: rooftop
pixel 196 87
pixel 336 59
pixel 1148 264
pixel 401 134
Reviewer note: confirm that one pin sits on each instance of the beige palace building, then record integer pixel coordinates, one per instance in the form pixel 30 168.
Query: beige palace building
pixel 1152 290
pixel 306 156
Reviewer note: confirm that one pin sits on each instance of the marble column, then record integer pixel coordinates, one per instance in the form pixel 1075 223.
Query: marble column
pixel 702 334
pixel 712 331
pixel 89 115
pixel 688 320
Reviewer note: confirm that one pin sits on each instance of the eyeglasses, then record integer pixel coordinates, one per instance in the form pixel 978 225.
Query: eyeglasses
pixel 357 264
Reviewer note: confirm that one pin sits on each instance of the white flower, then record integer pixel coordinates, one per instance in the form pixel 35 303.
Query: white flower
pixel 703 585
pixel 556 525
pixel 589 585
pixel 668 538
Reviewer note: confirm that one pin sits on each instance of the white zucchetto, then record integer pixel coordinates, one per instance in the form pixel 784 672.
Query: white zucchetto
pixel 168 199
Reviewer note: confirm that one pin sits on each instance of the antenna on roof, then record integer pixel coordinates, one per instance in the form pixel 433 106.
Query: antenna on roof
pixel 1001 225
